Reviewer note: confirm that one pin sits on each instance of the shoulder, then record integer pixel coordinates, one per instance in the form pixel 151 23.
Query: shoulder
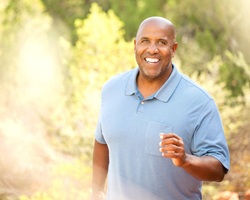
pixel 118 81
pixel 193 88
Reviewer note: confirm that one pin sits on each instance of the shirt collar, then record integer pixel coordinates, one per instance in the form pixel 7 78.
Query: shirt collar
pixel 164 93
pixel 131 83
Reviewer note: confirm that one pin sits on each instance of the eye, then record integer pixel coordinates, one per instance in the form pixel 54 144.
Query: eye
pixel 162 42
pixel 144 41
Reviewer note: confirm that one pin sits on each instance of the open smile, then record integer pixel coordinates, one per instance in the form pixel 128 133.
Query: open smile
pixel 152 60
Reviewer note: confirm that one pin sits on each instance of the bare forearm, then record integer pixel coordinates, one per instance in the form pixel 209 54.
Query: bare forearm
pixel 205 168
pixel 99 179
pixel 100 168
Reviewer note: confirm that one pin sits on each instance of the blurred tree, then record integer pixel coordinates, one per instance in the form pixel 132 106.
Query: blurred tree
pixel 100 52
pixel 235 73
pixel 211 31
pixel 64 13
pixel 30 87
pixel 31 63
pixel 215 28
pixel 132 12
pixel 13 16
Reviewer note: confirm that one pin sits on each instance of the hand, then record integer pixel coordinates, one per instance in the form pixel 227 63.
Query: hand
pixel 172 146
pixel 98 196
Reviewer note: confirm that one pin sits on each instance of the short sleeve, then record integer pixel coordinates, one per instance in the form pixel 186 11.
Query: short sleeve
pixel 98 133
pixel 209 138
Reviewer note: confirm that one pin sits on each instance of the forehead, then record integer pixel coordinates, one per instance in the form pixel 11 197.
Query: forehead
pixel 154 29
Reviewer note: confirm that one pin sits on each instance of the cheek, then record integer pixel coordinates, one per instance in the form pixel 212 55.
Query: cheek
pixel 168 53
pixel 138 54
pixel 139 49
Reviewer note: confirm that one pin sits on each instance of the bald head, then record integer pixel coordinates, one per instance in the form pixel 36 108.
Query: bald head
pixel 158 22
pixel 154 48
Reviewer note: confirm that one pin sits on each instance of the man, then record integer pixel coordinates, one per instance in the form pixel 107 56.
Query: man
pixel 159 134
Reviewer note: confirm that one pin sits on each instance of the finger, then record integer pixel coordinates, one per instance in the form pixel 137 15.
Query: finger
pixel 171 148
pixel 169 135
pixel 172 151
pixel 168 154
pixel 172 140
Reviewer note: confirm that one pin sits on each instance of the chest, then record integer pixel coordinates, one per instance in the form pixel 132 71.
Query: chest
pixel 130 121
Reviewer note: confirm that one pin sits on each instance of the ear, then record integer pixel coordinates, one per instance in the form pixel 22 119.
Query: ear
pixel 134 44
pixel 174 48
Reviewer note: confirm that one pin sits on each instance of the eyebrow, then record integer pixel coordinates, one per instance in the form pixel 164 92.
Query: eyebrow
pixel 160 39
pixel 143 38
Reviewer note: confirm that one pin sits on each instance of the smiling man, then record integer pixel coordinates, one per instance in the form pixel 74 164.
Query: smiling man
pixel 154 49
pixel 159 134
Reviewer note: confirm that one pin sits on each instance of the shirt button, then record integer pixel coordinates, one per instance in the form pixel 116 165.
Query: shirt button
pixel 142 102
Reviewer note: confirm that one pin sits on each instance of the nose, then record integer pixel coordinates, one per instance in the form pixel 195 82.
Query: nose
pixel 153 48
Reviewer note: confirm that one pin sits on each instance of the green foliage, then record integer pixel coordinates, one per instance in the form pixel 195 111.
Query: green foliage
pixel 211 31
pixel 15 19
pixel 214 27
pixel 133 12
pixel 71 180
pixel 100 35
pixel 235 72
pixel 99 53
pixel 65 12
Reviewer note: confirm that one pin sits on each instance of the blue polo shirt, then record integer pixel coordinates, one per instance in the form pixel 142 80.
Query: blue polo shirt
pixel 130 125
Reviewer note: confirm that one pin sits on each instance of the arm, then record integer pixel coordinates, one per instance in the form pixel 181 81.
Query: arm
pixel 205 168
pixel 100 169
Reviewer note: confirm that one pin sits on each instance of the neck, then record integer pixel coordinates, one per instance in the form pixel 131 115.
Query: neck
pixel 148 87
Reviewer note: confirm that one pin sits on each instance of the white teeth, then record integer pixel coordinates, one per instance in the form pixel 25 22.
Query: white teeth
pixel 152 60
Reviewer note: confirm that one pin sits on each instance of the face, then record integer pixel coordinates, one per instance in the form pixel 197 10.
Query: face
pixel 154 49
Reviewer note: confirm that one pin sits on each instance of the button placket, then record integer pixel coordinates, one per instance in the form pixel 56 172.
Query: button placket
pixel 141 106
